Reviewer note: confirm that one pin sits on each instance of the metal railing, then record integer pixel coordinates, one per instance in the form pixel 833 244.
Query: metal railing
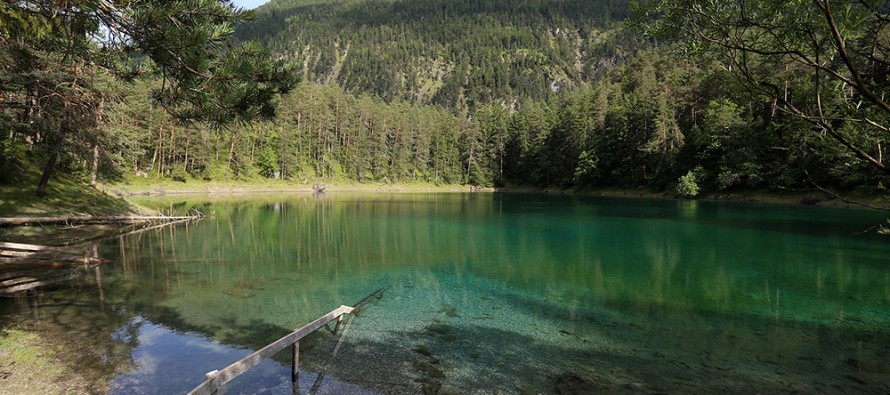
pixel 214 380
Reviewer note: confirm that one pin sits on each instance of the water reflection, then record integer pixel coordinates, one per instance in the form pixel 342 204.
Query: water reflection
pixel 676 296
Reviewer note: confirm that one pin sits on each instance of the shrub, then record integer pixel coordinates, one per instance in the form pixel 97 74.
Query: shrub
pixel 687 186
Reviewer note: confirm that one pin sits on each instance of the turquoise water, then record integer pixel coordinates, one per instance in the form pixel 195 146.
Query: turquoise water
pixel 518 293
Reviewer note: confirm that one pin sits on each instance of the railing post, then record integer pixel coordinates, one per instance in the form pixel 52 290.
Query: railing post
pixel 295 368
pixel 339 322
pixel 209 375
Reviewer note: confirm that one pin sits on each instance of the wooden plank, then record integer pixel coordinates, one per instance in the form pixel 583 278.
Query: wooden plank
pixel 234 370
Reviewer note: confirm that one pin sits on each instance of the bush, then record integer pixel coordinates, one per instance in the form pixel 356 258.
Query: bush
pixel 178 174
pixel 687 186
pixel 268 163
pixel 587 169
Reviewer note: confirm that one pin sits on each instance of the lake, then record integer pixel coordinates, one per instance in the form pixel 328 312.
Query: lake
pixel 489 293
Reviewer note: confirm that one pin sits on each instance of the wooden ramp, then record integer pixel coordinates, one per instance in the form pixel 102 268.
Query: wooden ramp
pixel 214 380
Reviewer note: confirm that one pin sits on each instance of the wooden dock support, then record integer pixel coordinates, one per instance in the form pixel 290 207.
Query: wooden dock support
pixel 337 325
pixel 213 381
pixel 295 368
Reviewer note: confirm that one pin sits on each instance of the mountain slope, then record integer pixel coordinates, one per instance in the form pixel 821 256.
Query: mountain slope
pixel 458 53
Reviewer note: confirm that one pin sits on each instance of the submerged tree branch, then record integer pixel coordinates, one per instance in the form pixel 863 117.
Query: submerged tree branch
pixel 841 198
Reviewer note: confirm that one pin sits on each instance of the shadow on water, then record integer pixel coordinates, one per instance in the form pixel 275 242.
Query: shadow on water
pixel 461 358
pixel 691 350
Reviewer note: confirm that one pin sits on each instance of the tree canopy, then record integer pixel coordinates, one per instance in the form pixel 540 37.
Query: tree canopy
pixel 53 52
pixel 824 62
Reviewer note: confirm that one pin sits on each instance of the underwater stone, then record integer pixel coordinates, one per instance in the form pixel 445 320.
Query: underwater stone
pixel 429 386
pixel 422 350
pixel 449 310
pixel 856 379
pixel 429 370
pixel 868 366
pixel 571 383
pixel 438 329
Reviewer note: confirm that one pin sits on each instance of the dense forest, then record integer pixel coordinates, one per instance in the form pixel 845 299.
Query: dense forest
pixel 542 93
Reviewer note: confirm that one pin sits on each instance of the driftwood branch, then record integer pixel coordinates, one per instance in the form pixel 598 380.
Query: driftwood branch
pixel 841 198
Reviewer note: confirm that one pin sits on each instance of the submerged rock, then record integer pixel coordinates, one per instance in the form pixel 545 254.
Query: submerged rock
pixel 429 386
pixel 856 379
pixel 449 310
pixel 438 329
pixel 422 350
pixel 571 383
pixel 428 370
pixel 868 366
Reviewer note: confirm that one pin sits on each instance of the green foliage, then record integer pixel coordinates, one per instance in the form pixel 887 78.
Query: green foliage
pixel 687 185
pixel 811 58
pixel 268 162
pixel 59 62
pixel 587 170
pixel 178 174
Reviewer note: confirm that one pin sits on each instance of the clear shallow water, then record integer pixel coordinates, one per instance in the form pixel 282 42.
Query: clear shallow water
pixel 491 292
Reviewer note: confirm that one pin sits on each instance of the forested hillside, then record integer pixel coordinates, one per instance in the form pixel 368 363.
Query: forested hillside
pixel 456 53
pixel 543 93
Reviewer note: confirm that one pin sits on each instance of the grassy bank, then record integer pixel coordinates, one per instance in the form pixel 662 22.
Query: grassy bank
pixel 67 195
pixel 148 186
pixel 154 186
pixel 30 363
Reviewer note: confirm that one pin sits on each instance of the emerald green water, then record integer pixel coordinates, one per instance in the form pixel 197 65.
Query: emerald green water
pixel 489 292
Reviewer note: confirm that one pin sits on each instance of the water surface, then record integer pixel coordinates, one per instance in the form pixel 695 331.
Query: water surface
pixel 521 293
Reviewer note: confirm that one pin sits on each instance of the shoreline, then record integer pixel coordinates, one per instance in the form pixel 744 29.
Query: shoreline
pixel 813 198
pixel 125 190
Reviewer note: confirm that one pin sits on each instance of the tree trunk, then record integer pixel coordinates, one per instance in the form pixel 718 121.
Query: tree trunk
pixel 50 164
pixel 172 144
pixel 232 148
pixel 185 163
pixel 159 151
pixel 95 173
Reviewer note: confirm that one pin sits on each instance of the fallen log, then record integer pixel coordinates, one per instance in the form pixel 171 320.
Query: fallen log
pixel 34 247
pixel 83 220
pixel 36 283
